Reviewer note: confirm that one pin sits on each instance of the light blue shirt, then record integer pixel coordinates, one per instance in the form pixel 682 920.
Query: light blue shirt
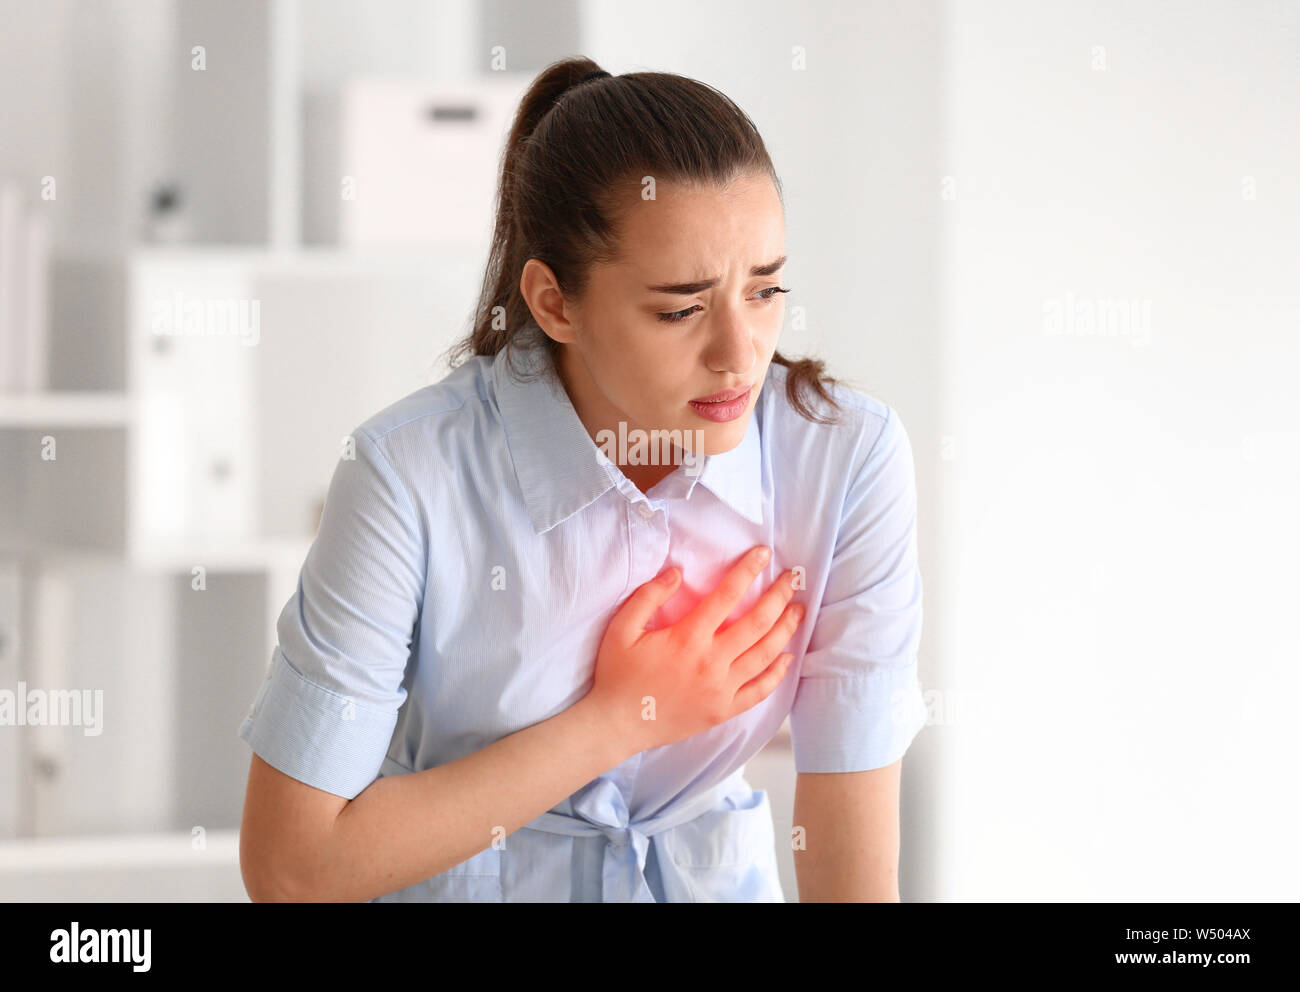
pixel 468 561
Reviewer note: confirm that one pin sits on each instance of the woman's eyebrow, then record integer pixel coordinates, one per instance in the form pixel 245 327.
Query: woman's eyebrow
pixel 687 288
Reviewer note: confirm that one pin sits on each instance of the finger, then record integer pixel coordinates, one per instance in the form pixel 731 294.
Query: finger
pixel 755 691
pixel 629 622
pixel 746 631
pixel 757 658
pixel 709 612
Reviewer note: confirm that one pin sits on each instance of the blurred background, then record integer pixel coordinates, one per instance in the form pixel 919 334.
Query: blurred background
pixel 1061 240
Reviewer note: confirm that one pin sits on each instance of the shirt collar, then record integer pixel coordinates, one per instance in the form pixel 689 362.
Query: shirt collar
pixel 560 468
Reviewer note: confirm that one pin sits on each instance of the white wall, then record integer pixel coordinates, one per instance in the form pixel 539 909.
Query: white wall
pixel 1122 508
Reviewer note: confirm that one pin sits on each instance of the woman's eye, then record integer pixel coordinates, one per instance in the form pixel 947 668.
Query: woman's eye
pixel 672 318
pixel 680 315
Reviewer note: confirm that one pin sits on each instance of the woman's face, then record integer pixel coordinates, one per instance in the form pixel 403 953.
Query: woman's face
pixel 689 254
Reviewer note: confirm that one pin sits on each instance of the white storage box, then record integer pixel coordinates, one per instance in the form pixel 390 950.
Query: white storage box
pixel 393 162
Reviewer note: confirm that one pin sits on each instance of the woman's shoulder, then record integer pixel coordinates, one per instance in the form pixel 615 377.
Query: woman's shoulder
pixel 426 434
pixel 430 409
pixel 859 422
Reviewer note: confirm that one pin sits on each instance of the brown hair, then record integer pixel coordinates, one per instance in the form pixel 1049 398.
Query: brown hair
pixel 579 140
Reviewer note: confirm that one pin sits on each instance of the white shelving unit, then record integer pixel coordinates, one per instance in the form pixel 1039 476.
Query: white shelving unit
pixel 64 409
pixel 183 455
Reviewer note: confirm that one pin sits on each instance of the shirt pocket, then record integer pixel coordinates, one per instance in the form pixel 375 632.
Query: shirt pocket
pixel 476 879
pixel 729 854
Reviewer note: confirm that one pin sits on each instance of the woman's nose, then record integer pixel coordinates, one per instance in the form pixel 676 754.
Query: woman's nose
pixel 733 350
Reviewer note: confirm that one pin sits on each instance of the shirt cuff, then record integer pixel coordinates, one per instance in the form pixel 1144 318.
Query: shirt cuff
pixel 315 735
pixel 856 724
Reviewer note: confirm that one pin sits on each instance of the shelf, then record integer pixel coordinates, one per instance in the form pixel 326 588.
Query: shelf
pixel 64 409
pixel 252 555
pixel 299 260
pixel 149 850
pixel 123 868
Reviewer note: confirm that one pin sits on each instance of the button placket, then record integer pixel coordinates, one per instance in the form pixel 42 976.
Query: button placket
pixel 648 528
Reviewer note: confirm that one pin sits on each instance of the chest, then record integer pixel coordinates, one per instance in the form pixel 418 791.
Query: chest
pixel 513 620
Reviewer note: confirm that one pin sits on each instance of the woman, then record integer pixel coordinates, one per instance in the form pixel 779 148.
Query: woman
pixel 527 658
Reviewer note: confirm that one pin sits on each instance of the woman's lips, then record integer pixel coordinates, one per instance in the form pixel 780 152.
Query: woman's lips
pixel 723 396
pixel 725 411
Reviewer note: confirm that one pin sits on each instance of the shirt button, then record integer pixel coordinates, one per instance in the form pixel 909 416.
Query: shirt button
pixel 645 510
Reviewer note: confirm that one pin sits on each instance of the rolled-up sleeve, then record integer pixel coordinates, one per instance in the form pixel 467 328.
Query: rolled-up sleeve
pixel 858 705
pixel 326 710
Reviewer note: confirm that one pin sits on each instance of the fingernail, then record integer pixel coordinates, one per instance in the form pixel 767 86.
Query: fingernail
pixel 764 555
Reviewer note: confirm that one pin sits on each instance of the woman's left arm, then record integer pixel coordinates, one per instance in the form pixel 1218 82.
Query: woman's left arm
pixel 851 835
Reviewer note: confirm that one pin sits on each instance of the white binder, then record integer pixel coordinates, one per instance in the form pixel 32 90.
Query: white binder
pixel 11 749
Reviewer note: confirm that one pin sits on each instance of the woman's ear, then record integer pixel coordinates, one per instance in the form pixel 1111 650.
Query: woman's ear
pixel 541 291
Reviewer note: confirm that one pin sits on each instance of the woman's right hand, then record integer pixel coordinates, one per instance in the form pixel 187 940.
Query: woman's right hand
pixel 695 676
